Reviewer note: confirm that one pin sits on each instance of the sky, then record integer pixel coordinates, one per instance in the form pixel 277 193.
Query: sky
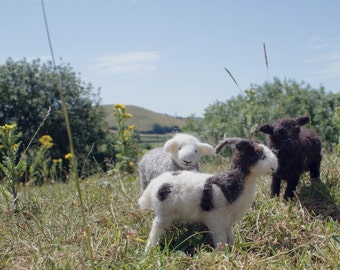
pixel 169 56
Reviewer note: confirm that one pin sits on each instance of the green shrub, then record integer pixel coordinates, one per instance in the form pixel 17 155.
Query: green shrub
pixel 12 166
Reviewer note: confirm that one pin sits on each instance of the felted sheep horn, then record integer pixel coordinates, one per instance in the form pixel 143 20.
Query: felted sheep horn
pixel 220 146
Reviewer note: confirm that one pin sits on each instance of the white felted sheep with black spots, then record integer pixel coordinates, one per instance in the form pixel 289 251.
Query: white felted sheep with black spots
pixel 217 201
pixel 182 152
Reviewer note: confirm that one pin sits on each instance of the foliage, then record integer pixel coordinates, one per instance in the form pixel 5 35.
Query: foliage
pixel 242 115
pixel 124 142
pixel 158 129
pixel 27 90
pixel 42 168
pixel 56 169
pixel 11 166
pixel 46 231
pixel 40 162
pixel 337 123
pixel 18 165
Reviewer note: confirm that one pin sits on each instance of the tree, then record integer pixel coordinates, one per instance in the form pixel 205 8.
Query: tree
pixel 28 90
pixel 242 115
pixel 158 129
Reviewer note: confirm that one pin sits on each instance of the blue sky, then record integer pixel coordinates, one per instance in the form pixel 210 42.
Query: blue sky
pixel 169 56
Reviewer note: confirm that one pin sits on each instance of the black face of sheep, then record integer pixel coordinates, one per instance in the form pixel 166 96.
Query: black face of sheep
pixel 298 150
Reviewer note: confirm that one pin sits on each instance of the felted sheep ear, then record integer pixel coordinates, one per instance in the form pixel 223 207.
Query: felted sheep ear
pixel 243 145
pixel 170 146
pixel 266 128
pixel 302 120
pixel 205 149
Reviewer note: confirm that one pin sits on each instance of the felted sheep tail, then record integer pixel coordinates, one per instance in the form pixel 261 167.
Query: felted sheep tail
pixel 144 201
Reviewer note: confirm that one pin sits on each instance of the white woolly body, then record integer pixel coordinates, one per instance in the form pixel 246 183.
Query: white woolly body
pixel 183 202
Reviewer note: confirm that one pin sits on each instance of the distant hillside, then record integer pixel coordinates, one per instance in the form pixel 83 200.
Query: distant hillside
pixel 144 119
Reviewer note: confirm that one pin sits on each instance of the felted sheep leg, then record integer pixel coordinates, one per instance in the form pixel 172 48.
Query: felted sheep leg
pixel 291 187
pixel 230 236
pixel 156 232
pixel 314 171
pixel 144 183
pixel 275 187
pixel 218 234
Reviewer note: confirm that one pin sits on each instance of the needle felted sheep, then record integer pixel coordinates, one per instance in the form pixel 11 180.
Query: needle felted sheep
pixel 298 150
pixel 217 201
pixel 182 152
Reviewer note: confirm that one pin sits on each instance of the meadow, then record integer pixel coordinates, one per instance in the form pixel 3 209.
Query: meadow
pixel 46 230
pixel 96 223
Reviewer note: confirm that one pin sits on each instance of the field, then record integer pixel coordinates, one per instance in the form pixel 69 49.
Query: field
pixel 47 231
pixel 153 140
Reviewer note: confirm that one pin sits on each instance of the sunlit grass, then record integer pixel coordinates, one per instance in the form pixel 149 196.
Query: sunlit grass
pixel 45 232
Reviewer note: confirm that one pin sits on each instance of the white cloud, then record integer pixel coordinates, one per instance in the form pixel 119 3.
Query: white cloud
pixel 329 71
pixel 324 57
pixel 318 43
pixel 127 63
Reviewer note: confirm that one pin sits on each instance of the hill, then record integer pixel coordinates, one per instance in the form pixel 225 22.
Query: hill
pixel 144 119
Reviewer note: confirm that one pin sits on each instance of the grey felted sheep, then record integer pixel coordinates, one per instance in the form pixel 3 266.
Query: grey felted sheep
pixel 182 152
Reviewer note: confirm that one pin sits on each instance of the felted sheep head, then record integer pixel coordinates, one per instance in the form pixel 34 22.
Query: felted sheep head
pixel 251 156
pixel 186 150
pixel 285 132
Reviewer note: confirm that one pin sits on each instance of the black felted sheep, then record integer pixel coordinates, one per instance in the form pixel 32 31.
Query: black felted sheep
pixel 298 149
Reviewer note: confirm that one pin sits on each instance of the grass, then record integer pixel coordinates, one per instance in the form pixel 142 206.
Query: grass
pixel 46 230
pixel 153 140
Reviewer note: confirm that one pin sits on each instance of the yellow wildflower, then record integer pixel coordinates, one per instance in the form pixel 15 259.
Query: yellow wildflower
pixel 119 106
pixel 48 145
pixel 126 135
pixel 131 164
pixel 68 156
pixel 46 141
pixel 131 127
pixel 45 138
pixel 127 115
pixel 59 160
pixel 8 126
